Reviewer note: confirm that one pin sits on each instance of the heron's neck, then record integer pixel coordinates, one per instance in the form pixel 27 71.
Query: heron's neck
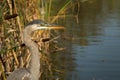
pixel 35 58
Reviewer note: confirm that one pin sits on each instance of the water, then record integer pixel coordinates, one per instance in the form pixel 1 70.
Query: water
pixel 94 52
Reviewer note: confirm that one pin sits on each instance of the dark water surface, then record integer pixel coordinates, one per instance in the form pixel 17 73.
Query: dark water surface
pixel 94 52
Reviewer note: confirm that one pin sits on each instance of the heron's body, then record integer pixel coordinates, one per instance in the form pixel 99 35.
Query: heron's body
pixel 31 73
pixel 20 74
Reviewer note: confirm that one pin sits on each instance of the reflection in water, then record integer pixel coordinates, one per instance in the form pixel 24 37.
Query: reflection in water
pixel 94 46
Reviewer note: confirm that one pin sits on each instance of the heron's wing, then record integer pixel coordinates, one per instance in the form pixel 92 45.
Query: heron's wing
pixel 20 74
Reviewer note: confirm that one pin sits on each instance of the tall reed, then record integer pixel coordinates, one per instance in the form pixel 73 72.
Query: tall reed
pixel 14 15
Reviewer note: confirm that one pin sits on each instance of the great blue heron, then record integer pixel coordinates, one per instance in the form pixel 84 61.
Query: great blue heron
pixel 32 72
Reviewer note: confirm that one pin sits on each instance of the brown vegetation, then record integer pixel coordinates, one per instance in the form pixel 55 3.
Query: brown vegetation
pixel 14 15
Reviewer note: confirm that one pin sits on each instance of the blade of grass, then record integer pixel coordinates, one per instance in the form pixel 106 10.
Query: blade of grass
pixel 61 10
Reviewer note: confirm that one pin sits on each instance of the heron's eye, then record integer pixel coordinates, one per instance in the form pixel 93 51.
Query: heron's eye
pixel 42 24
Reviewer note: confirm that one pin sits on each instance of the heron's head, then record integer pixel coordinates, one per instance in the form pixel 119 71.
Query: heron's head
pixel 36 25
